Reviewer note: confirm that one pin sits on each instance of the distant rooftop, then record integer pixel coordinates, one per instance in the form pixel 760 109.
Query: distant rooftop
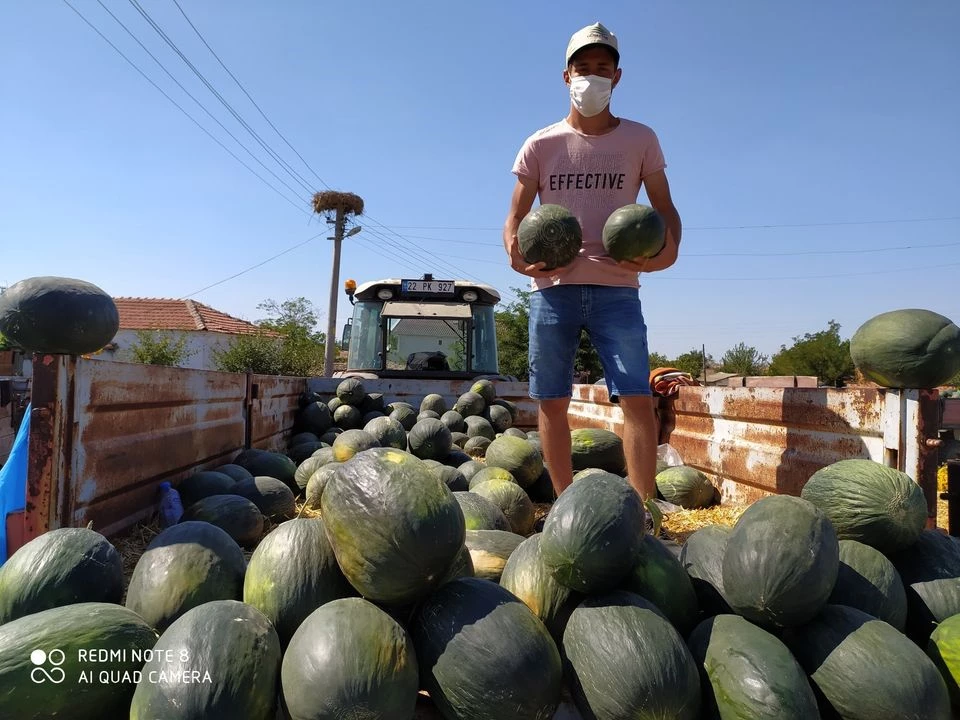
pixel 138 313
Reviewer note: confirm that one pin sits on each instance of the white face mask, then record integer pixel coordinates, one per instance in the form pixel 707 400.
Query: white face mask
pixel 590 93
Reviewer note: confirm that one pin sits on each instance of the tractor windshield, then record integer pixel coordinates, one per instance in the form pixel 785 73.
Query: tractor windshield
pixel 423 343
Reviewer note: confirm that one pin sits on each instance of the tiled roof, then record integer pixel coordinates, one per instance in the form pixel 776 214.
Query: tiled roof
pixel 171 314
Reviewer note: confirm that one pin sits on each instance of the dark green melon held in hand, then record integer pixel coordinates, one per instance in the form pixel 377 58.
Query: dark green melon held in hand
pixel 633 231
pixel 58 315
pixel 550 234
pixel 907 349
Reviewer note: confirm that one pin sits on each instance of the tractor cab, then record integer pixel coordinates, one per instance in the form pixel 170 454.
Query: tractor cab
pixel 422 328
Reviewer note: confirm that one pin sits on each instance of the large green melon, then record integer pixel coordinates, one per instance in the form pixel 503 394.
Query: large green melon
pixel 512 500
pixel 394 526
pixel 271 496
pixel 349 659
pixel 868 581
pixel 58 315
pixel 597 448
pixel 526 576
pixel 516 456
pixel 221 659
pixel 910 348
pixel 483 654
pixel 930 570
pixel 623 659
pixel 292 572
pixel 702 557
pixel 658 576
pixel 748 673
pixel 430 439
pixel 204 484
pixel 489 551
pixel 685 486
pixel 60 567
pixel 186 565
pixel 550 234
pixel 781 562
pixel 387 432
pixel 239 517
pixel 43 655
pixel 944 649
pixel 633 231
pixel 869 502
pixel 865 669
pixel 593 533
pixel 479 513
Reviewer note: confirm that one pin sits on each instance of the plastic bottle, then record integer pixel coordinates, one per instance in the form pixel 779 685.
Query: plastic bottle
pixel 171 507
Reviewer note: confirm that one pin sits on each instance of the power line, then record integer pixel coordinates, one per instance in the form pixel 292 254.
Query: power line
pixel 254 102
pixel 192 97
pixel 181 109
pixel 253 267
pixel 803 277
pixel 720 227
pixel 173 46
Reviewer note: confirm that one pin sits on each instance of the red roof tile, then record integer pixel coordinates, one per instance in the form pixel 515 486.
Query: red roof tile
pixel 171 314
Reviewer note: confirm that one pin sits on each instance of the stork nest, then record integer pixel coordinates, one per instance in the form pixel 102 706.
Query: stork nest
pixel 333 200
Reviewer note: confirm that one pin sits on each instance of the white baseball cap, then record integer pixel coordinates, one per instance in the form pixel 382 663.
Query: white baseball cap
pixel 595 34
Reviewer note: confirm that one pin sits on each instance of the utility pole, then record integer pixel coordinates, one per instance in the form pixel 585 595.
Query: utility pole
pixel 342 203
pixel 330 344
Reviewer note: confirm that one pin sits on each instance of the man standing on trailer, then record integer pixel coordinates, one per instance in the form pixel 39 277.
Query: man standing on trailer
pixel 594 292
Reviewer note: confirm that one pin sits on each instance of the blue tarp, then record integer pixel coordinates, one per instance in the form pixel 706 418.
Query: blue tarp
pixel 13 481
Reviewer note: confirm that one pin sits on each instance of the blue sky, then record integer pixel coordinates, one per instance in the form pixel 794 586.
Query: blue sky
pixel 832 117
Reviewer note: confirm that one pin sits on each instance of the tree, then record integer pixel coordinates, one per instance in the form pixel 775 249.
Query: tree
pixel 5 344
pixel 692 362
pixel 658 360
pixel 155 348
pixel 743 360
pixel 288 343
pixel 822 354
pixel 513 342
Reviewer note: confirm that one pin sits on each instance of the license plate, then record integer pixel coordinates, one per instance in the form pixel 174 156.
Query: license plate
pixel 427 287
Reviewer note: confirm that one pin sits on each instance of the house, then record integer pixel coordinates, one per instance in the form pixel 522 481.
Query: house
pixel 426 335
pixel 204 328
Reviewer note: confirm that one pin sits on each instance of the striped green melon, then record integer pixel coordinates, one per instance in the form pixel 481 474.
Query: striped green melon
pixel 483 654
pixel 60 567
pixel 869 502
pixel 685 486
pixel 868 581
pixel 781 562
pixel 748 673
pixel 231 654
pixel 479 513
pixel 350 659
pixel 512 500
pixel 550 234
pixel 658 576
pixel 865 669
pixel 944 649
pixel 702 557
pixel 490 550
pixel 909 348
pixel 633 231
pixel 292 572
pixel 623 659
pixel 516 456
pixel 43 655
pixel 930 570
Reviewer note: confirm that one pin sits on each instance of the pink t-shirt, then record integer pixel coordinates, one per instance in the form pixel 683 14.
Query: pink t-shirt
pixel 591 176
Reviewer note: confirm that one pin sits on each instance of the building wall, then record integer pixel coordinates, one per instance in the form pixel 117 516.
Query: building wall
pixel 407 344
pixel 200 346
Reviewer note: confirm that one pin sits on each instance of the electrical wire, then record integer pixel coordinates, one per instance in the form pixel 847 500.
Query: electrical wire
pixel 181 109
pixel 249 97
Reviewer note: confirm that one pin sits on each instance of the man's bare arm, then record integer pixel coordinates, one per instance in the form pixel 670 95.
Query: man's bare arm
pixel 524 193
pixel 658 190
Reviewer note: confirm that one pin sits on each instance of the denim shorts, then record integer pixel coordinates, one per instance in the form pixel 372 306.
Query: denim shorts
pixel 614 321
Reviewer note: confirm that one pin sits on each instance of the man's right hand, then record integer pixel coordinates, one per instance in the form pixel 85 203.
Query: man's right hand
pixel 534 270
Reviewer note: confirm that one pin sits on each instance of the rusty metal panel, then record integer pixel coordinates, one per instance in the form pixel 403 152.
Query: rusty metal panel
pixel 273 403
pixel 950 415
pixel 50 442
pixel 413 391
pixel 135 425
pixel 7 432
